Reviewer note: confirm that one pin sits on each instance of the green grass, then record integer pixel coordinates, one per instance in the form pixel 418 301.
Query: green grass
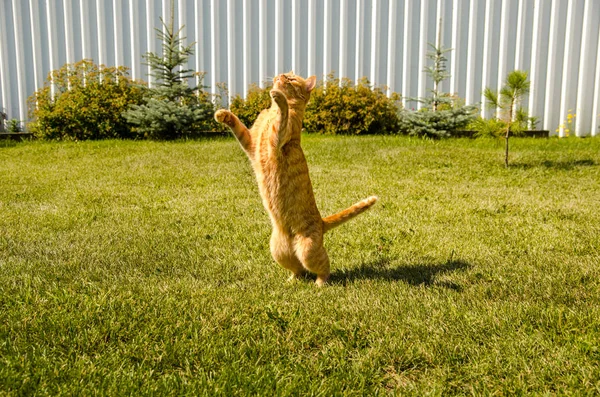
pixel 143 268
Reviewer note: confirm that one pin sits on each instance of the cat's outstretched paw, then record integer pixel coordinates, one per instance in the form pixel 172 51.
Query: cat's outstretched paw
pixel 225 116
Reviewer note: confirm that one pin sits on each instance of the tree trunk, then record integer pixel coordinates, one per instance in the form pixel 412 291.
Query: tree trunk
pixel 506 147
pixel 510 120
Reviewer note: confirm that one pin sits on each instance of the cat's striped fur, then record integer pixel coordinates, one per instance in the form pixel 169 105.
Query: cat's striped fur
pixel 273 147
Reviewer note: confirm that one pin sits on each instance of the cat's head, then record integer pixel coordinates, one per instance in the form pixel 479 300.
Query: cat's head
pixel 295 88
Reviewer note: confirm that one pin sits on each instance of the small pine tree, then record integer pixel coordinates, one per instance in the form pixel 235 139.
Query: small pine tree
pixel 507 101
pixel 442 113
pixel 438 73
pixel 247 109
pixel 172 109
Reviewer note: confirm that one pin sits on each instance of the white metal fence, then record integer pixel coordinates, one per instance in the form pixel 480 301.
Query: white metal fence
pixel 247 41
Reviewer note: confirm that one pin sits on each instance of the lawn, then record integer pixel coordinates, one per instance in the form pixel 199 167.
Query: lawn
pixel 143 268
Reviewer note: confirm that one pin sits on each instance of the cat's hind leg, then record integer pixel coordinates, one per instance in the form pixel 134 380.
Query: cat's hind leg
pixel 283 252
pixel 312 255
pixel 237 127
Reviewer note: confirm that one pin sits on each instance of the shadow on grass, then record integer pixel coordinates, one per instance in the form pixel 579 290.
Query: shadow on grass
pixel 557 165
pixel 417 275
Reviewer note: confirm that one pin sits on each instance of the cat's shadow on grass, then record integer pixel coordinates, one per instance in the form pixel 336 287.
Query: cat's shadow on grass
pixel 413 274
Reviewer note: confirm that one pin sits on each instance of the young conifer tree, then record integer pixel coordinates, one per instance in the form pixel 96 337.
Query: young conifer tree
pixel 441 113
pixel 507 101
pixel 172 109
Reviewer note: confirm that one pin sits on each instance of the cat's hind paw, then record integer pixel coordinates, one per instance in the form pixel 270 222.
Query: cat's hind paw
pixel 296 276
pixel 322 280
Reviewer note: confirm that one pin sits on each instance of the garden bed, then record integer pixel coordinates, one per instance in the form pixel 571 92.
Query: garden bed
pixel 16 136
pixel 525 134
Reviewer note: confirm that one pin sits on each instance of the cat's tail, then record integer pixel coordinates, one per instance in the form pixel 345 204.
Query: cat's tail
pixel 343 216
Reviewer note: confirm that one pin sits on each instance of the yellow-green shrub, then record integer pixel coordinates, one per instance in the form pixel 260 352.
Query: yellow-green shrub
pixel 88 103
pixel 337 106
pixel 247 110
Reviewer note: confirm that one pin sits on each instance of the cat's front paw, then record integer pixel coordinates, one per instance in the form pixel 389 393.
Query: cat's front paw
pixel 278 97
pixel 224 116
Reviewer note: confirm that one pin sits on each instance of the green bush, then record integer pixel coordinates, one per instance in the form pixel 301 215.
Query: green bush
pixel 340 107
pixel 87 104
pixel 247 110
pixel 14 126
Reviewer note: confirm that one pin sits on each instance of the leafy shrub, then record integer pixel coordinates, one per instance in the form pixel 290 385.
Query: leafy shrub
pixel 247 110
pixel 340 107
pixel 87 104
pixel 14 126
pixel 524 121
pixel 335 107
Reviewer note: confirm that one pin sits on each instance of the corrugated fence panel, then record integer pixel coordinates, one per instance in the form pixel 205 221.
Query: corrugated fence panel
pixel 240 42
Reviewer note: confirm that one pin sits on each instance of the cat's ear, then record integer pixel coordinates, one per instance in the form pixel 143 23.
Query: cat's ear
pixel 311 82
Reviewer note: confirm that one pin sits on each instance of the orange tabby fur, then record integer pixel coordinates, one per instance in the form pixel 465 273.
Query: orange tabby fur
pixel 273 147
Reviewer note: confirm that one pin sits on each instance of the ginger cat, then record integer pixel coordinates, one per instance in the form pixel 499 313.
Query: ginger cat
pixel 273 147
